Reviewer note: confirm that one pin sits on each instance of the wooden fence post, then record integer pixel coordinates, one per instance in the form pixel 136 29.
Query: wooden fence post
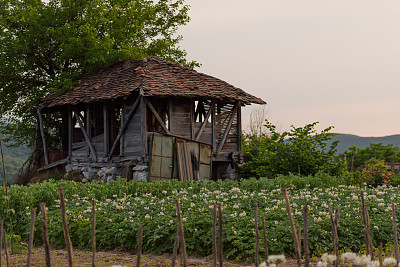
pixel 65 226
pixel 292 226
pixel 140 243
pixel 335 221
pixel 367 229
pixel 181 231
pixel 45 234
pixel 93 232
pixel 257 233
pixel 175 250
pixel 220 248
pixel 395 240
pixel 31 236
pixel 305 239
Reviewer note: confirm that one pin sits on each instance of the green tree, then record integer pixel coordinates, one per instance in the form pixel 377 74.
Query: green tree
pixel 46 45
pixel 373 151
pixel 301 150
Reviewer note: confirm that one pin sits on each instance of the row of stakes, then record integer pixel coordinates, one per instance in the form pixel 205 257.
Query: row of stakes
pixel 218 258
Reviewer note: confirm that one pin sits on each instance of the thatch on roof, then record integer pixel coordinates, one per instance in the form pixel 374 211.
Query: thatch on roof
pixel 151 76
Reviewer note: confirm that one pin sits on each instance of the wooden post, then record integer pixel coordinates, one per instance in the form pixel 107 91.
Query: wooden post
pixel 46 156
pixel 1 240
pixel 367 229
pixel 140 243
pixel 5 247
pixel 334 221
pixel 181 231
pixel 257 233
pixel 352 162
pixel 122 138
pixel 70 133
pixel 31 236
pixel 305 239
pixel 105 129
pixel 292 226
pixel 380 255
pixel 220 249
pixel 65 226
pixel 143 115
pixel 395 240
pixel 213 132
pixel 175 250
pixel 93 232
pixel 45 234
pixel 85 134
pixel 299 238
pixel 239 126
pixel 214 236
pixel 265 240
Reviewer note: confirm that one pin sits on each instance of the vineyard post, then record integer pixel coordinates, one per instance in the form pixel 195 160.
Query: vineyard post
pixel 257 233
pixel 334 221
pixel 65 226
pixel 175 250
pixel 181 231
pixel 31 236
pixel 367 230
pixel 214 236
pixel 1 240
pixel 299 238
pixel 305 239
pixel 93 232
pixel 292 226
pixel 265 239
pixel 5 247
pixel 380 254
pixel 220 249
pixel 45 234
pixel 140 243
pixel 395 240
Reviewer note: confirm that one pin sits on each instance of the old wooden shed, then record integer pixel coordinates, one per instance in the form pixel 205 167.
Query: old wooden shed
pixel 157 115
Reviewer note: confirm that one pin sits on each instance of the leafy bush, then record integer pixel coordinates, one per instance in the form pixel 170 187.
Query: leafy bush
pixel 301 150
pixel 374 174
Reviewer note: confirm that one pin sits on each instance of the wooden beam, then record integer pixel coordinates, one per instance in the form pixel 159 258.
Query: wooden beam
pixel 124 126
pixel 143 116
pixel 122 139
pixel 239 126
pixel 105 129
pixel 157 116
pixel 213 137
pixel 87 124
pixel 88 141
pixel 70 133
pixel 203 125
pixel 192 120
pixel 227 129
pixel 46 156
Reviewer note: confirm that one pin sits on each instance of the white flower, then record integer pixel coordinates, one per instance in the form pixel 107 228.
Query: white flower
pixel 322 264
pixel 348 256
pixel 275 259
pixel 236 206
pixel 389 261
pixel 242 214
pixel 147 216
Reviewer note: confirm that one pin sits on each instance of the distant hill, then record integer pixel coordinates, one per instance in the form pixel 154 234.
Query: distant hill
pixel 347 140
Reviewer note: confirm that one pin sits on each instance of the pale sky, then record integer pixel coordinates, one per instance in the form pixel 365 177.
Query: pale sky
pixel 332 61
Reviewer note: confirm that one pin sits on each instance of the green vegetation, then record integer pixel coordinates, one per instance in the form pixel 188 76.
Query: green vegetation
pixel 301 150
pixel 123 206
pixel 46 45
pixel 14 157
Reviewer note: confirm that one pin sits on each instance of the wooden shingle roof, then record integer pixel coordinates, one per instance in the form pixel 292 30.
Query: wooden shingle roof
pixel 151 76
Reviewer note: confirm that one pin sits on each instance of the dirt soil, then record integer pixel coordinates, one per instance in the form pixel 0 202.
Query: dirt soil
pixel 103 259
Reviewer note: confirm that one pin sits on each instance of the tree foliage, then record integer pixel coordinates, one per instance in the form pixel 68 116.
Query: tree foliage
pixel 46 45
pixel 373 151
pixel 301 150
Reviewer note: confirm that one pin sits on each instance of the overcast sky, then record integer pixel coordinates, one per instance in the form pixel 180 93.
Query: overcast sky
pixel 332 61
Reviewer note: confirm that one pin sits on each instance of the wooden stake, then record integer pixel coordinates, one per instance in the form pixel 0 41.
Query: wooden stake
pixel 175 251
pixel 334 221
pixel 367 229
pixel 305 239
pixel 214 236
pixel 1 240
pixel 65 226
pixel 292 226
pixel 31 236
pixel 45 234
pixel 93 232
pixel 140 243
pixel 220 249
pixel 395 240
pixel 181 231
pixel 257 233
pixel 6 248
pixel 265 239
pixel 380 255
pixel 299 238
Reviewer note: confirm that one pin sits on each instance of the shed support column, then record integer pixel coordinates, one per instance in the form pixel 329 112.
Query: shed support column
pixel 46 157
pixel 144 126
pixel 87 124
pixel 239 126
pixel 122 139
pixel 213 137
pixel 105 129
pixel 69 133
